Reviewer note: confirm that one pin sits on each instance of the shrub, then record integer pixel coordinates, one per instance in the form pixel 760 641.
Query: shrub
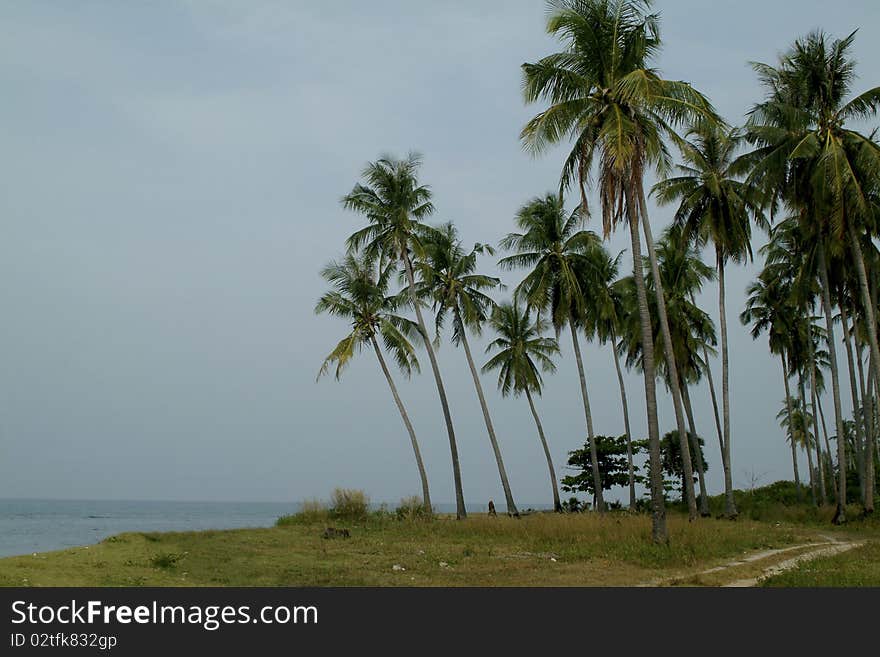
pixel 349 504
pixel 165 561
pixel 310 511
pixel 412 508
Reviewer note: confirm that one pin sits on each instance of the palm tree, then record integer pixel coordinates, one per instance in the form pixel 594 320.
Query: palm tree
pixel 556 250
pixel 523 353
pixel 604 317
pixel 360 296
pixel 606 98
pixel 395 205
pixel 447 277
pixel 796 421
pixel 714 206
pixel 682 276
pixel 824 171
pixel 768 310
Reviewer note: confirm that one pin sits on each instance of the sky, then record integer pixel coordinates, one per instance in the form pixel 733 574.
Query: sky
pixel 171 175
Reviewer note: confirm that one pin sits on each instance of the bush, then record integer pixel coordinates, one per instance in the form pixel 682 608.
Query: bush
pixel 412 508
pixel 310 511
pixel 349 504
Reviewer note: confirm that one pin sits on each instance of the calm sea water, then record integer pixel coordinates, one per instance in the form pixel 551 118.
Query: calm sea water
pixel 28 526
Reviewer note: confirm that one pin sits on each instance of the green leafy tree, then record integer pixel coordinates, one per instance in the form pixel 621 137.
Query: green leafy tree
pixel 613 465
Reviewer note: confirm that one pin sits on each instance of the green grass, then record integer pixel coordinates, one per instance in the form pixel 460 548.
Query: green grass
pixel 537 550
pixel 857 567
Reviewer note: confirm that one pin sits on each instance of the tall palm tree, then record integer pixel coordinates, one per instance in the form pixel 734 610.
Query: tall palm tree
pixel 808 158
pixel 768 309
pixel 606 98
pixel 359 295
pixel 714 205
pixel 523 353
pixel 682 276
pixel 555 249
pixel 447 276
pixel 395 206
pixel 603 319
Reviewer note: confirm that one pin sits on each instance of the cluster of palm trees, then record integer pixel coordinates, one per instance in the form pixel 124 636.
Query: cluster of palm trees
pixel 796 169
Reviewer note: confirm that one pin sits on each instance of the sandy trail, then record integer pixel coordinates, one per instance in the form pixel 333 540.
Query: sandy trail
pixel 830 546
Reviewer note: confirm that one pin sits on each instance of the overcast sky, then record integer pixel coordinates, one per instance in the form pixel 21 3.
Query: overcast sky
pixel 171 175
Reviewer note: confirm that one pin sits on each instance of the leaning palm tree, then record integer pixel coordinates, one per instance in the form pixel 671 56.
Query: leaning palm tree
pixel 825 172
pixel 360 296
pixel 554 247
pixel 714 205
pixel 395 205
pixel 523 353
pixel 606 98
pixel 447 276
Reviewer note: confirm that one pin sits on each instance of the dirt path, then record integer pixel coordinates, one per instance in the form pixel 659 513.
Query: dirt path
pixel 751 569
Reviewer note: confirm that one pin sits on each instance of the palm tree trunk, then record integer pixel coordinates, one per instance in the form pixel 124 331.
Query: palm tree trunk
pixel 816 435
pixel 659 531
pixel 460 511
pixel 708 369
pixel 867 300
pixel 629 451
pixel 505 484
pixel 827 446
pixel 594 456
pixel 794 463
pixel 672 368
pixel 557 505
pixel 854 395
pixel 807 445
pixel 840 514
pixel 426 495
pixel 725 387
pixel 698 456
pixel 872 441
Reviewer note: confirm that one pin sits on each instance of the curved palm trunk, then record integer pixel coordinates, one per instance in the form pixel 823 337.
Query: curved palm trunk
pixel 460 511
pixel 840 514
pixel 794 463
pixel 867 301
pixel 557 505
pixel 698 456
pixel 426 495
pixel 725 387
pixel 629 452
pixel 816 435
pixel 803 401
pixel 854 396
pixel 871 436
pixel 659 532
pixel 505 484
pixel 827 446
pixel 672 368
pixel 708 370
pixel 594 456
pixel 868 423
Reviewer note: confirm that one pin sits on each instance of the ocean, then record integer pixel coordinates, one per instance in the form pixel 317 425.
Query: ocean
pixel 28 526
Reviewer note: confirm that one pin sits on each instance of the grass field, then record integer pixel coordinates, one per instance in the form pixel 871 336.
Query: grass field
pixel 537 550
pixel 858 567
